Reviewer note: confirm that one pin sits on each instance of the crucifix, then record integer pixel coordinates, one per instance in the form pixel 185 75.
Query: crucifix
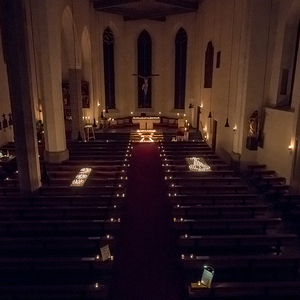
pixel 145 85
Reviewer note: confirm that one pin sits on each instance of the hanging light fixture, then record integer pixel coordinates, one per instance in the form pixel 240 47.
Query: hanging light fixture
pixel 227 124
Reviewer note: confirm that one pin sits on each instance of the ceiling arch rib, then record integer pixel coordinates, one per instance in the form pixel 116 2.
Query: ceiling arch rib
pixel 152 9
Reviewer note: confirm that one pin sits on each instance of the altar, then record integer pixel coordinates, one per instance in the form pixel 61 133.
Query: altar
pixel 145 123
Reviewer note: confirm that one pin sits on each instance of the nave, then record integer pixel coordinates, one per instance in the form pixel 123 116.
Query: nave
pixel 162 222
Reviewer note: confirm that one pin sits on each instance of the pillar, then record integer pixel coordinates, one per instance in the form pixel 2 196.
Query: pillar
pixel 16 55
pixel 51 79
pixel 76 102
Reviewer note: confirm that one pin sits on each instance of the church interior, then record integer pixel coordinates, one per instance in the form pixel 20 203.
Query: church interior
pixel 149 149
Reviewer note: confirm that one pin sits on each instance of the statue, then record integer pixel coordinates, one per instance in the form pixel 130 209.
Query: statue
pixel 252 142
pixel 145 85
pixel 253 125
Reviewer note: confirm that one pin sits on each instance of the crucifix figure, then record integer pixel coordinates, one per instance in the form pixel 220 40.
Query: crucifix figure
pixel 145 85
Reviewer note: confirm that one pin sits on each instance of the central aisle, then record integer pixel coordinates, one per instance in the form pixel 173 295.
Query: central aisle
pixel 146 264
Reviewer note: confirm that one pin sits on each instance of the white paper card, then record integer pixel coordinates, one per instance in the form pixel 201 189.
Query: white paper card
pixel 207 277
pixel 105 253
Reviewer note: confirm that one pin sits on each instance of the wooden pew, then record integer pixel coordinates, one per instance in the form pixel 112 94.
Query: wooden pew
pixel 204 180
pixel 25 212
pixel 58 292
pixel 244 267
pixel 237 243
pixel 218 211
pixel 56 263
pixel 250 290
pixel 58 227
pixel 61 200
pixel 45 246
pixel 85 190
pixel 209 189
pixel 188 174
pixel 212 199
pixel 201 226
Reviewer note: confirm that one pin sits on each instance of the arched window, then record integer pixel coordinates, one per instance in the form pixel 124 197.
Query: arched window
pixel 144 69
pixel 180 68
pixel 109 72
pixel 288 64
pixel 209 65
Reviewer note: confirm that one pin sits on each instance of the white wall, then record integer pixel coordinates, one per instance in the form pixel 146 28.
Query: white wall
pixel 278 136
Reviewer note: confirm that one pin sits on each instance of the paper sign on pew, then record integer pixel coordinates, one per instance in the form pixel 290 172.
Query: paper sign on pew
pixel 207 276
pixel 105 253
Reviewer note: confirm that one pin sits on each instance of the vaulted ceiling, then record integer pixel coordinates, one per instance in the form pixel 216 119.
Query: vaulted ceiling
pixel 146 9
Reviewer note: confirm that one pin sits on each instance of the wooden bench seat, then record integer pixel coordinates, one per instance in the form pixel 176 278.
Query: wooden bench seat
pixel 22 212
pixel 93 158
pixel 250 290
pixel 58 227
pixel 58 292
pixel 180 161
pixel 188 174
pixel 201 226
pixel 10 190
pixel 61 200
pixel 245 267
pixel 261 173
pixel 213 167
pixel 91 181
pixel 94 174
pixel 76 168
pixel 206 199
pixel 43 246
pixel 54 263
pixel 218 211
pixel 84 190
pixel 210 189
pixel 253 167
pixel 270 180
pixel 204 180
pixel 233 243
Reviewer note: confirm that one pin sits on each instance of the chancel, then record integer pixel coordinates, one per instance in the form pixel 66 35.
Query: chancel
pixel 118 178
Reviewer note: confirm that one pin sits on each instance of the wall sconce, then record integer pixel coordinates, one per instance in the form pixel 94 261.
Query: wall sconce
pixel 234 128
pixel 290 147
pixel 159 113
pixel 201 105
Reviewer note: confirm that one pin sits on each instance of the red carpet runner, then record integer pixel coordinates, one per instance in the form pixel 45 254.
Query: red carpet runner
pixel 146 262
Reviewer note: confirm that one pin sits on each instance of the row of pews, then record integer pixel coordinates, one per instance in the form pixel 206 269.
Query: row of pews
pixel 222 222
pixel 50 242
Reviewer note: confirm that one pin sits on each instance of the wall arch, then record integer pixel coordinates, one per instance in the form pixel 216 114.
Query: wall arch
pixel 70 39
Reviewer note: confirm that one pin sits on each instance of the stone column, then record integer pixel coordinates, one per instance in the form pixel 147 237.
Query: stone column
pixel 76 102
pixel 51 79
pixel 16 55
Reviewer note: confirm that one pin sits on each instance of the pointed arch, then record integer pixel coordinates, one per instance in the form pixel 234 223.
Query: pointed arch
pixel 109 68
pixel 70 39
pixel 180 68
pixel 144 45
